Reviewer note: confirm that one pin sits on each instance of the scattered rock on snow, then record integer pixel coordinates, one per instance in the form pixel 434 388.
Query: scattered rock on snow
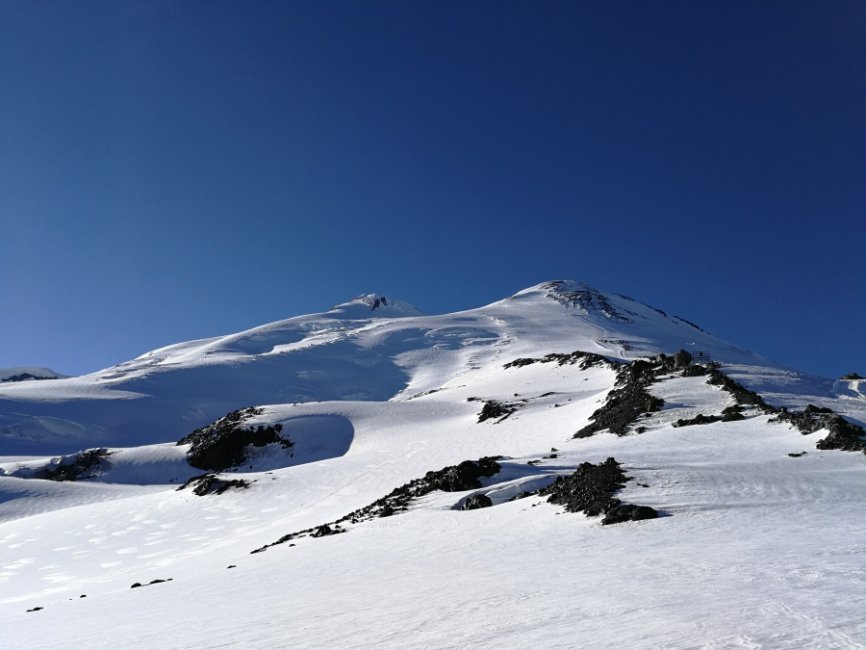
pixel 843 435
pixel 700 418
pixel 585 359
pixel 742 395
pixel 136 585
pixel 624 404
pixel 630 399
pixel 493 409
pixel 212 484
pixel 454 478
pixel 326 530
pixel 729 414
pixel 584 297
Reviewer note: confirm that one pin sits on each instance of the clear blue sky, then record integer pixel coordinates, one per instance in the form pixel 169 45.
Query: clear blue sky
pixel 173 170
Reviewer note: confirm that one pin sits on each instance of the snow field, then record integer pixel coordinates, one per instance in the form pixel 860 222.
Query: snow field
pixel 755 548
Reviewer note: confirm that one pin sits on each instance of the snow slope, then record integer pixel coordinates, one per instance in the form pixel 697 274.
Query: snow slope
pixel 755 548
pixel 365 349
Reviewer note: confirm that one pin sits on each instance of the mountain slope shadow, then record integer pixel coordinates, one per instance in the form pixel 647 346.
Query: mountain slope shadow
pixel 318 437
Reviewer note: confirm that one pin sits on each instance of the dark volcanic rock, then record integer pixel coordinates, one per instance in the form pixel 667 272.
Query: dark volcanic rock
pixel 211 484
pixel 622 407
pixel 700 418
pixel 742 395
pixel 495 410
pixel 630 399
pixel 729 414
pixel 137 585
pixel 626 403
pixel 326 530
pixel 454 478
pixel 465 476
pixel 24 376
pixel 76 467
pixel 585 359
pixel 733 413
pixel 477 501
pixel 621 512
pixel 682 359
pixel 843 435
pixel 584 297
pixel 222 444
pixel 590 489
pixel 694 371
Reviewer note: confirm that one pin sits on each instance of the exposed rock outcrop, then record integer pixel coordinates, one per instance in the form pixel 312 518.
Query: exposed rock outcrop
pixel 76 467
pixel 454 478
pixel 590 490
pixel 223 443
pixel 212 484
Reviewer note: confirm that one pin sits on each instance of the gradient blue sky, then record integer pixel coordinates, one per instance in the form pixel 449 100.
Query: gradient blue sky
pixel 173 170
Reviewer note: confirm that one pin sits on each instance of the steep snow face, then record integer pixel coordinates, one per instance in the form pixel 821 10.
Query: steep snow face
pixel 372 348
pixel 579 295
pixel 617 325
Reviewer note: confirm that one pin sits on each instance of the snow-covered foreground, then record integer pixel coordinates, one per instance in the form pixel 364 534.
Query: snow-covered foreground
pixel 754 548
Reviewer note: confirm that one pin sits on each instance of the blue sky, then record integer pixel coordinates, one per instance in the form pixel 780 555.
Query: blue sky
pixel 175 170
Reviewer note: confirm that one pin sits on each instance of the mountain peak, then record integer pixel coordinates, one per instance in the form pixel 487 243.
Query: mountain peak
pixel 29 373
pixel 373 301
pixel 375 305
pixel 577 294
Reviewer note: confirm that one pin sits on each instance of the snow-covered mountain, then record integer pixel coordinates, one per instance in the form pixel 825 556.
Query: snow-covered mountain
pixel 28 373
pixel 370 349
pixel 464 457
